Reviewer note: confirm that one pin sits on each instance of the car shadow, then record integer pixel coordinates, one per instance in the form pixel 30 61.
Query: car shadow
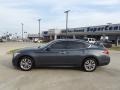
pixel 58 68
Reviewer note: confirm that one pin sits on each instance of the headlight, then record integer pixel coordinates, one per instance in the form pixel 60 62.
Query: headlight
pixel 15 54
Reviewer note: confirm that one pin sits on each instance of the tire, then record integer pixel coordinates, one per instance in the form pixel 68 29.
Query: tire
pixel 25 63
pixel 89 65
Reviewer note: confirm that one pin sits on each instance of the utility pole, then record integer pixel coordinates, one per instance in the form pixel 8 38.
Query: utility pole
pixel 22 30
pixel 39 27
pixel 67 22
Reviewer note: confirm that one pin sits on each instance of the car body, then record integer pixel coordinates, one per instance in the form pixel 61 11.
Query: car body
pixel 65 52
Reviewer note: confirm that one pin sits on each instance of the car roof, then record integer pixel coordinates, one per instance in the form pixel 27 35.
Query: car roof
pixel 68 40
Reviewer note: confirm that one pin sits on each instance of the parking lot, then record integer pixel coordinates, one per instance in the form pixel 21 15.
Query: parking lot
pixel 104 78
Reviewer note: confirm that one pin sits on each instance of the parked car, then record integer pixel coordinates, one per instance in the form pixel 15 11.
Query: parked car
pixel 100 44
pixel 1 40
pixel 90 40
pixel 106 44
pixel 65 52
pixel 37 40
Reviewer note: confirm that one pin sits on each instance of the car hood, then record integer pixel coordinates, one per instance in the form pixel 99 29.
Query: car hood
pixel 28 49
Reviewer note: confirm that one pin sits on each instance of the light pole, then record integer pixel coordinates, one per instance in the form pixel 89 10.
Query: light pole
pixel 39 27
pixel 67 22
pixel 7 36
pixel 22 30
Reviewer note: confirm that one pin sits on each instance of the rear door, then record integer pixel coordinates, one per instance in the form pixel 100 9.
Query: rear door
pixel 75 52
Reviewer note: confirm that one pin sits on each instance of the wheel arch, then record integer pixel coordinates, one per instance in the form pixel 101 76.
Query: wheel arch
pixel 91 56
pixel 26 56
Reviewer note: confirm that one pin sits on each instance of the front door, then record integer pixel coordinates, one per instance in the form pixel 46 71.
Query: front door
pixel 56 54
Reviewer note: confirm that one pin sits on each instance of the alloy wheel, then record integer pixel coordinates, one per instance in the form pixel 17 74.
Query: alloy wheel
pixel 26 64
pixel 90 65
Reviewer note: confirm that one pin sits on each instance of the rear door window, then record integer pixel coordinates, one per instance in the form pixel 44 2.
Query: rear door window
pixel 76 45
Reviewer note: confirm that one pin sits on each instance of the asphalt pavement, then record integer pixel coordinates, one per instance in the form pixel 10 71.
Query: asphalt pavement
pixel 104 78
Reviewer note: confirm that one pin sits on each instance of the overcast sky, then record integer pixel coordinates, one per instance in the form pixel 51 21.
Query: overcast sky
pixel 83 13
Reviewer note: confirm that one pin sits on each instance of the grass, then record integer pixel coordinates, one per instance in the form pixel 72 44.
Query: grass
pixel 115 48
pixel 12 51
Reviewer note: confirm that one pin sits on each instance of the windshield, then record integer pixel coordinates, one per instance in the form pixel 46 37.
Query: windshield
pixel 45 44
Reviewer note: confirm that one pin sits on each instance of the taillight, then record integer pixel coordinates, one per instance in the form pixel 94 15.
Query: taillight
pixel 106 51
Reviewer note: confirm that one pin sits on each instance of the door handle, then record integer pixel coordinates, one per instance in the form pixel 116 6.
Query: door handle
pixel 62 52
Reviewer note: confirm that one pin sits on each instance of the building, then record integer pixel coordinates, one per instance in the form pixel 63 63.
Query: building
pixel 46 35
pixel 51 34
pixel 33 37
pixel 108 31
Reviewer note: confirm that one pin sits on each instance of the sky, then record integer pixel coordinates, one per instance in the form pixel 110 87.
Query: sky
pixel 83 13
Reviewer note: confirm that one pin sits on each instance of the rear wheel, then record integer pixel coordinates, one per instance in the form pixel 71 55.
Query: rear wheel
pixel 89 64
pixel 26 63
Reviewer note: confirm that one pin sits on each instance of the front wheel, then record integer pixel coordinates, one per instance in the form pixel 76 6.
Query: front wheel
pixel 26 63
pixel 89 64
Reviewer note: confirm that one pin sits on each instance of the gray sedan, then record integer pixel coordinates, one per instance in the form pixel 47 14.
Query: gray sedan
pixel 65 52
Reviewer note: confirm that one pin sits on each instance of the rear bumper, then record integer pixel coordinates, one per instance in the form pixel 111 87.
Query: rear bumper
pixel 104 60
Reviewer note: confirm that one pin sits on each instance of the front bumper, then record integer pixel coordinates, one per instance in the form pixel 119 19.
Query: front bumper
pixel 15 60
